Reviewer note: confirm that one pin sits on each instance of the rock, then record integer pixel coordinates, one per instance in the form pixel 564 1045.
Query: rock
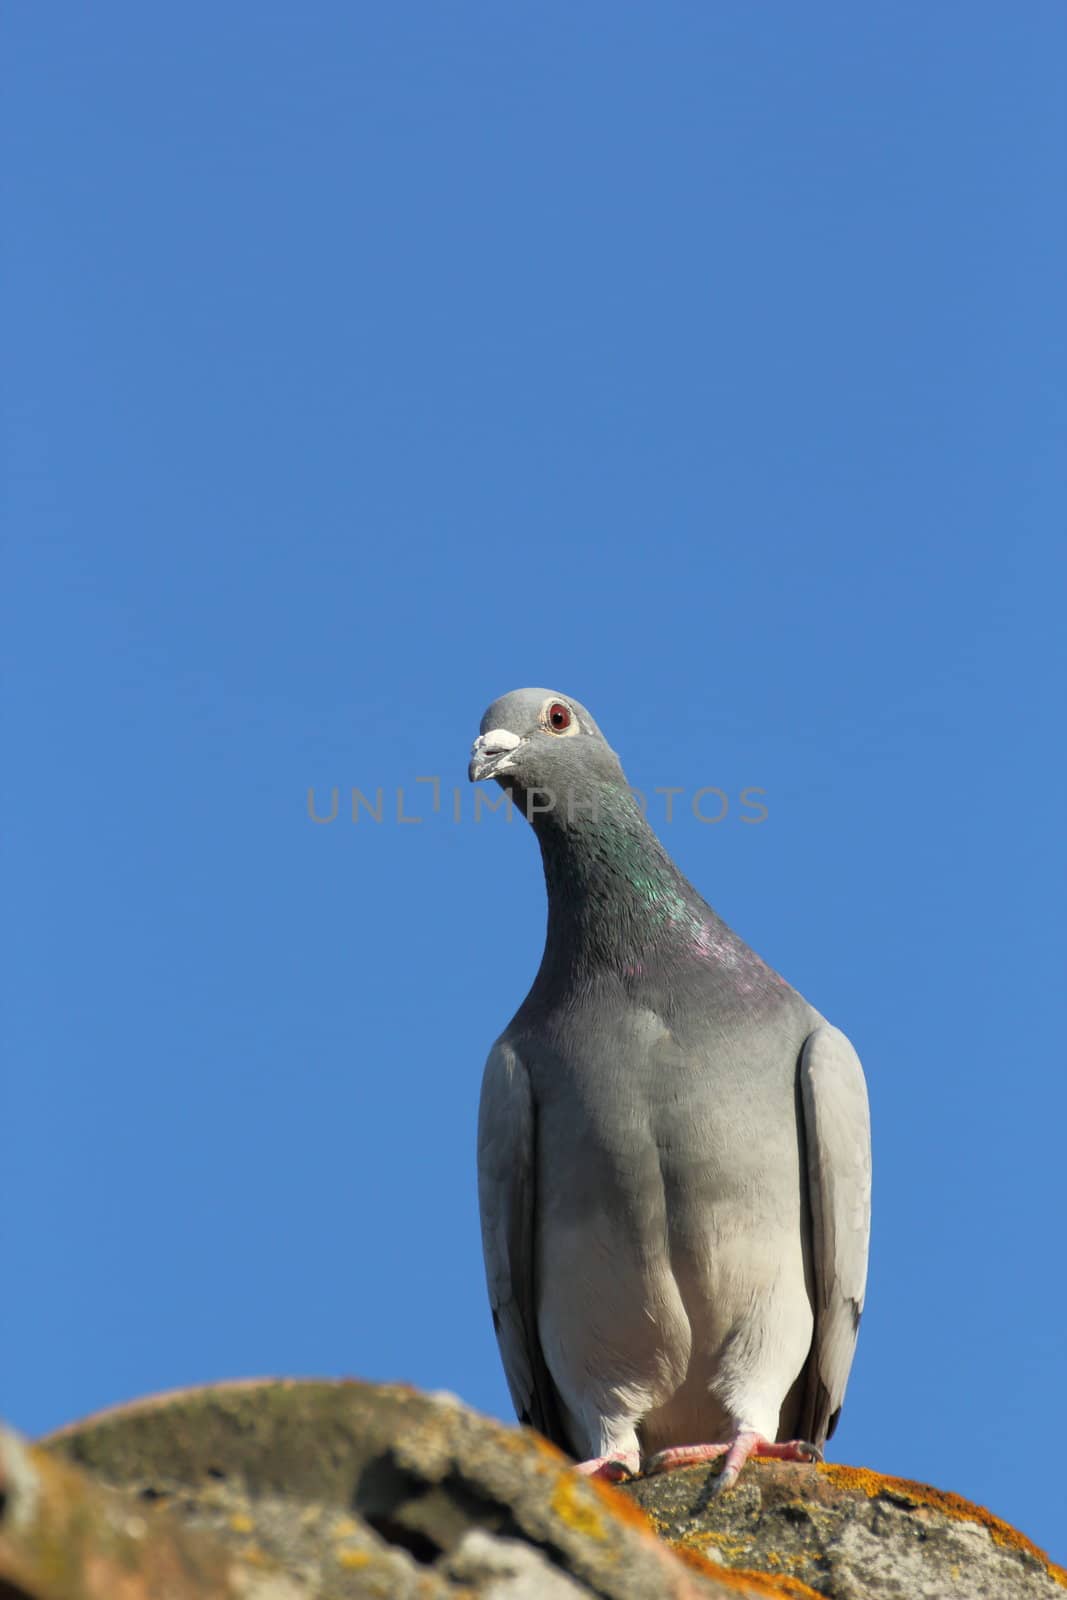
pixel 352 1490
pixel 65 1537
pixel 848 1534
pixel 284 1491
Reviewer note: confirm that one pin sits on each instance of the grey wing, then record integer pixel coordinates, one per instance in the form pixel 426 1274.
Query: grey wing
pixel 507 1198
pixel 837 1133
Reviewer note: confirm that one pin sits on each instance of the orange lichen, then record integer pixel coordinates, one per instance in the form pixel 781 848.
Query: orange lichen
pixel 352 1559
pixel 872 1484
pixel 572 1506
pixel 528 1436
pixel 790 1588
pixel 699 1563
pixel 621 1507
pixel 731 1549
pixel 747 1582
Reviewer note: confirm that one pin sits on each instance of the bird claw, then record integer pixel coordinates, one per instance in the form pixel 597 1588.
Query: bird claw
pixel 791 1450
pixel 613 1468
pixel 737 1452
pixel 683 1455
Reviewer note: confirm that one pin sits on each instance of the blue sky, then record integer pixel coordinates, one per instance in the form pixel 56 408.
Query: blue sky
pixel 704 361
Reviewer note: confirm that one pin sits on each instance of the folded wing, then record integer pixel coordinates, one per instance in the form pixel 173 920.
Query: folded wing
pixel 837 1134
pixel 507 1195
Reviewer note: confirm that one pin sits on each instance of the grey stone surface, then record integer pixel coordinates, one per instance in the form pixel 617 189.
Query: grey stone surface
pixel 849 1534
pixel 361 1489
pixel 344 1491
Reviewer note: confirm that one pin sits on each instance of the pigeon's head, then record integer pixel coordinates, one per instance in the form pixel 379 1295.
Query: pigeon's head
pixel 538 740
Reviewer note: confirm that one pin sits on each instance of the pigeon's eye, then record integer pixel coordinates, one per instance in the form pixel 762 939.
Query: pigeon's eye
pixel 558 716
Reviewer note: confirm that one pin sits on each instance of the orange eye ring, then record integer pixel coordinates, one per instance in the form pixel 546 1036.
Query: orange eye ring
pixel 557 717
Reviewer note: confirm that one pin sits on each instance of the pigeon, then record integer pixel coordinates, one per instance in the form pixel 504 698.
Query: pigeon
pixel 674 1162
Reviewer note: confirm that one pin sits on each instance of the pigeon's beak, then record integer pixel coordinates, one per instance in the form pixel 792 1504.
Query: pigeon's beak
pixel 489 754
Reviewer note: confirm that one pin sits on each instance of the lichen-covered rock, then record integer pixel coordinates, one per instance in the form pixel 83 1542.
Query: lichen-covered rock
pixel 356 1489
pixel 343 1491
pixel 847 1534
pixel 63 1536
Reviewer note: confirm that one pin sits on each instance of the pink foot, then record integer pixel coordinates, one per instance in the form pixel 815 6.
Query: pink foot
pixel 684 1455
pixel 736 1453
pixel 621 1464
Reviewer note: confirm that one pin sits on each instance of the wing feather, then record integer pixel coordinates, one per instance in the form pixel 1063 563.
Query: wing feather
pixel 837 1134
pixel 507 1196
